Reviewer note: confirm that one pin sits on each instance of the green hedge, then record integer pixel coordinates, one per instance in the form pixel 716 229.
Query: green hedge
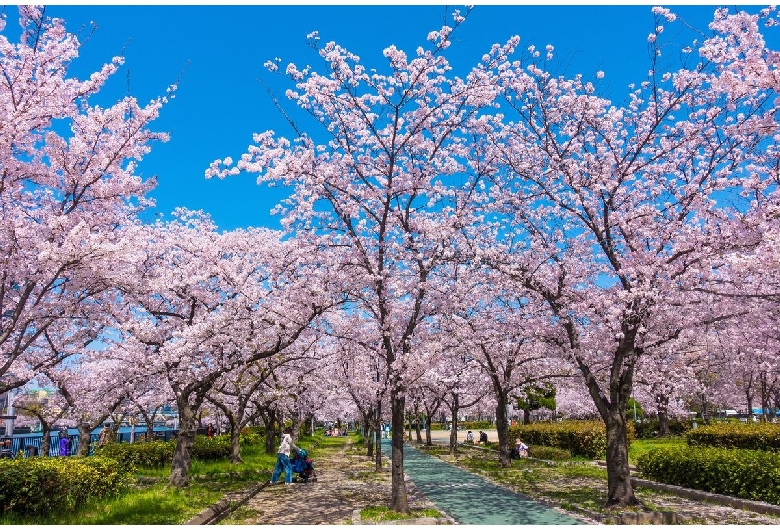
pixel 475 425
pixel 757 436
pixel 649 427
pixel 581 438
pixel 548 453
pixel 215 448
pixel 153 454
pixel 157 454
pixel 41 485
pixel 463 426
pixel 247 437
pixel 742 473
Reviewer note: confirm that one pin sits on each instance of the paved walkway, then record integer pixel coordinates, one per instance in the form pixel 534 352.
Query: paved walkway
pixel 469 498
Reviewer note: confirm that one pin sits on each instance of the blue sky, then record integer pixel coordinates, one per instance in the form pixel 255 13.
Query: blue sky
pixel 220 102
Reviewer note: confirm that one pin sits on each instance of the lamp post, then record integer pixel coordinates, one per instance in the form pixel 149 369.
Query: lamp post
pixel 132 422
pixel 9 415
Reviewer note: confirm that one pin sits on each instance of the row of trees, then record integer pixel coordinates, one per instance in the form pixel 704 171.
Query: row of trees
pixel 448 240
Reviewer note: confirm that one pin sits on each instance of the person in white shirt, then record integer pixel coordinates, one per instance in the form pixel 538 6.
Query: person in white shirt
pixel 283 459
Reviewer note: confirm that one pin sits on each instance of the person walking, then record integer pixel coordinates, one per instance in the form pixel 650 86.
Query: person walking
pixel 283 459
pixel 64 443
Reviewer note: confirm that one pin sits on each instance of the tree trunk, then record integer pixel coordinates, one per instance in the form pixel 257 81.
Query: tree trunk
pixel 526 416
pixel 399 501
pixel 270 426
pixel 428 441
pixel 705 413
pixel 46 440
pixel 235 441
pixel 296 426
pixel 368 432
pixel 417 429
pixel 85 438
pixel 369 440
pixel 149 420
pixel 619 489
pixel 182 455
pixel 663 415
pixel 502 427
pixel 612 410
pixel 378 438
pixel 454 427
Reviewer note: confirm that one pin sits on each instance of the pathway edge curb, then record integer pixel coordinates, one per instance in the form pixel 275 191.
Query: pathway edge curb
pixel 698 495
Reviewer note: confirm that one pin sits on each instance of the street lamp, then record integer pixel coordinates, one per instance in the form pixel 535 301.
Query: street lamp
pixel 9 415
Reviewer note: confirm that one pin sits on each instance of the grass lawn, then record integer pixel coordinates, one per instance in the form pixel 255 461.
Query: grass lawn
pixel 158 503
pixel 640 447
pixel 376 514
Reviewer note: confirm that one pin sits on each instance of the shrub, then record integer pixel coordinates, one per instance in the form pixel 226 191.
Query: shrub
pixel 582 438
pixel 743 473
pixel 548 453
pixel 757 436
pixel 215 448
pixel 475 425
pixel 158 454
pixel 154 454
pixel 247 437
pixel 37 486
pixel 649 427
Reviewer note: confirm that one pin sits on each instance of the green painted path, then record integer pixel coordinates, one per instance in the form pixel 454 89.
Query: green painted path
pixel 470 499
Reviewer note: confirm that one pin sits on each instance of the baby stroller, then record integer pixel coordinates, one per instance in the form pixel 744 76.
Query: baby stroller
pixel 302 464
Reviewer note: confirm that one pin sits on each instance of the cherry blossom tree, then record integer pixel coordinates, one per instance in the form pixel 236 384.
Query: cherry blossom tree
pixel 68 180
pixel 200 304
pixel 149 395
pixel 503 332
pixel 47 407
pixel 614 214
pixel 668 378
pixel 620 218
pixel 430 398
pixel 353 366
pixel 91 396
pixel 381 187
pixel 233 394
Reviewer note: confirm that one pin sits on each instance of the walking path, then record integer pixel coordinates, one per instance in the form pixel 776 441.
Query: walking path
pixel 470 499
pixel 348 482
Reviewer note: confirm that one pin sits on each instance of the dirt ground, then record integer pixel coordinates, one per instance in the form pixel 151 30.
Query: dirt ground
pixel 346 482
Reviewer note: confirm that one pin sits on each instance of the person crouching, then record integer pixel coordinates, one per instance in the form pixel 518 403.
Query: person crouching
pixel 520 450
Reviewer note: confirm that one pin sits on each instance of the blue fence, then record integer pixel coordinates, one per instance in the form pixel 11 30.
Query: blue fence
pixel 31 443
